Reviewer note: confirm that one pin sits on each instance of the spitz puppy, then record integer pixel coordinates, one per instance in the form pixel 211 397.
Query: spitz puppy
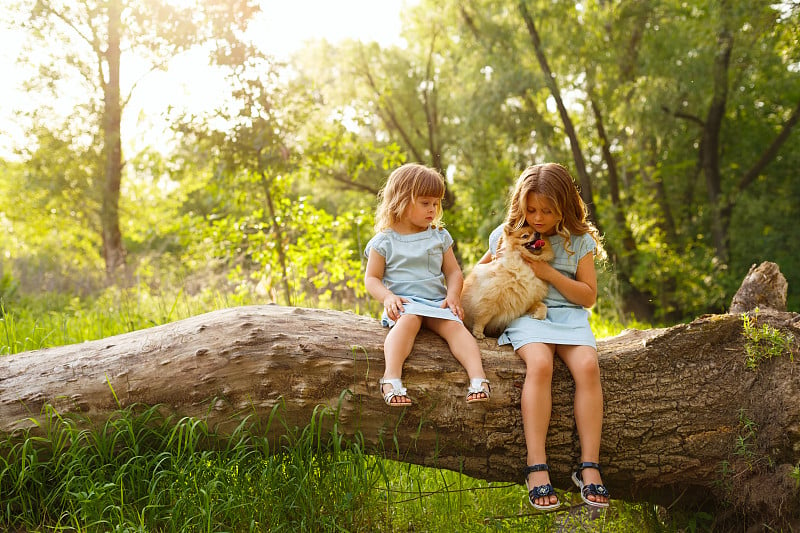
pixel 496 293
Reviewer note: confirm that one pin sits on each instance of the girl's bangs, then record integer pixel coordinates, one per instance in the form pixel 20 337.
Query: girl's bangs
pixel 429 185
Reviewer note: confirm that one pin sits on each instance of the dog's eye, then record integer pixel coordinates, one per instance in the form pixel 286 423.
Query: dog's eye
pixel 526 235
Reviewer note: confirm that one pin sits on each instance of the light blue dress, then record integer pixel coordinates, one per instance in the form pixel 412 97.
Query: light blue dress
pixel 566 322
pixel 414 270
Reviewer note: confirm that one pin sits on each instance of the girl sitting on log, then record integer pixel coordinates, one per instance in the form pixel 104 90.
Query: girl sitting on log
pixel 412 270
pixel 546 197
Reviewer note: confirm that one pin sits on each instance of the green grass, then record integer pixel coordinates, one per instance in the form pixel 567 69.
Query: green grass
pixel 141 471
pixel 32 324
pixel 764 342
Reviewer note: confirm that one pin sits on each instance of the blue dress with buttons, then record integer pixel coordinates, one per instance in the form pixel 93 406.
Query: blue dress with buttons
pixel 566 322
pixel 414 270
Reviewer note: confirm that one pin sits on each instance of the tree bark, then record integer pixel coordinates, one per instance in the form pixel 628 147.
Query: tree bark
pixel 680 404
pixel 764 287
pixel 113 248
pixel 711 144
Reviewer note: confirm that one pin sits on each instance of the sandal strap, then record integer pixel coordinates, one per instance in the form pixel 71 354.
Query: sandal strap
pixel 588 464
pixel 535 468
pixel 397 388
pixel 476 387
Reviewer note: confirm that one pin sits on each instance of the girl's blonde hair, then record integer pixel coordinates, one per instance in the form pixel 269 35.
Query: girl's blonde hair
pixel 554 182
pixel 404 186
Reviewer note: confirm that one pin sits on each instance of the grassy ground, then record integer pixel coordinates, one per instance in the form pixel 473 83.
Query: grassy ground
pixel 144 472
pixel 141 471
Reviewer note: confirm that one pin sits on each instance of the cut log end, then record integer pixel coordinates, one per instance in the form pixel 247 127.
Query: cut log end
pixel 764 287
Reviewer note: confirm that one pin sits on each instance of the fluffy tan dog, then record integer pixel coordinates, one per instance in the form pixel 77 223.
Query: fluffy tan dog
pixel 496 293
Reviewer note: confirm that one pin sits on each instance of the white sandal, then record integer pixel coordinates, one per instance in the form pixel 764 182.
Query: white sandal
pixel 397 391
pixel 476 387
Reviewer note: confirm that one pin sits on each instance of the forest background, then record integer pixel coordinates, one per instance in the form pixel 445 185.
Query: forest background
pixel 678 120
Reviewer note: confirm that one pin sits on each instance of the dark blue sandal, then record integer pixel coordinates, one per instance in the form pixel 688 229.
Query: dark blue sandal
pixel 591 489
pixel 540 491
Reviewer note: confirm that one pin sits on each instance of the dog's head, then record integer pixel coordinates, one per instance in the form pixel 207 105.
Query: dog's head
pixel 525 238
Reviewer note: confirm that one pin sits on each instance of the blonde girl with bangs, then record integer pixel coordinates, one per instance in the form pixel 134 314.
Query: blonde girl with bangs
pixel 413 271
pixel 546 198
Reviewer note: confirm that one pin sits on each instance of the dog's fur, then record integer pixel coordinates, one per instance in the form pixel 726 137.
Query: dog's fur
pixel 496 293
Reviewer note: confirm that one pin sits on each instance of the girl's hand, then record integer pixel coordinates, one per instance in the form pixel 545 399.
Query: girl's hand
pixel 582 290
pixel 454 303
pixel 544 271
pixel 394 306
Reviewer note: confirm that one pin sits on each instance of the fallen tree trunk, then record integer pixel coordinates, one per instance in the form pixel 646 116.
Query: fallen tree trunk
pixel 685 418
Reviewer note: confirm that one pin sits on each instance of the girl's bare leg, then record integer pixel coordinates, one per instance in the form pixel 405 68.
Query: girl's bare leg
pixel 396 348
pixel 585 370
pixel 536 403
pixel 462 345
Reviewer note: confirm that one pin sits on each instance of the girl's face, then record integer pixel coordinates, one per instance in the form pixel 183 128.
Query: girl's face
pixel 540 214
pixel 421 213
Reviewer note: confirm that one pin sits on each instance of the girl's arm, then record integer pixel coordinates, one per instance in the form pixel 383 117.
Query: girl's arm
pixel 455 281
pixel 488 257
pixel 582 290
pixel 373 280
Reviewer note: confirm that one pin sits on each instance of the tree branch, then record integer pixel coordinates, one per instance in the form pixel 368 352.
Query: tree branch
pixel 772 150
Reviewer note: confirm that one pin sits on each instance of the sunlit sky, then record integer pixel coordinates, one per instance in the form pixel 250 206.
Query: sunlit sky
pixel 281 28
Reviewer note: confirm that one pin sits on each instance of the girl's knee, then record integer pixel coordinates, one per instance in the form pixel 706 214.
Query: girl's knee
pixel 538 361
pixel 539 368
pixel 408 322
pixel 414 319
pixel 586 369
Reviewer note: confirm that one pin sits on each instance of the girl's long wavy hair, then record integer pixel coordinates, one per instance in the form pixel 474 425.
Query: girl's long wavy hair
pixel 554 182
pixel 405 184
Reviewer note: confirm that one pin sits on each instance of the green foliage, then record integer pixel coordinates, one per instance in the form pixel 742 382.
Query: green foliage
pixel 745 441
pixel 58 320
pixel 270 198
pixel 8 289
pixel 683 278
pixel 47 216
pixel 762 225
pixel 228 205
pixel 647 74
pixel 765 342
pixel 144 471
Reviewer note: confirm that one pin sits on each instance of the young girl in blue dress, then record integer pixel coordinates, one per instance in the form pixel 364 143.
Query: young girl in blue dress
pixel 412 270
pixel 546 198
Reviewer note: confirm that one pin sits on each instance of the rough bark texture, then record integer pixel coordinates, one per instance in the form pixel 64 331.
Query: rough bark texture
pixel 764 287
pixel 678 401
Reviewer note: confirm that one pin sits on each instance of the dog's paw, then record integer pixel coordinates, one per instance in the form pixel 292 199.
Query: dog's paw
pixel 478 334
pixel 540 313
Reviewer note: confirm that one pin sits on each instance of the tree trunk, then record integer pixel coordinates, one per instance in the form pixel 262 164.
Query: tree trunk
pixel 685 420
pixel 113 249
pixel 277 234
pixel 710 153
pixel 569 128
